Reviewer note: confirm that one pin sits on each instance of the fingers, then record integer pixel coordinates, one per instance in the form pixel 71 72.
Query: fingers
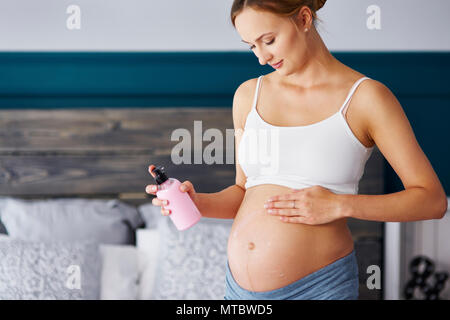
pixel 279 204
pixel 297 219
pixel 184 187
pixel 187 186
pixel 162 203
pixel 151 189
pixel 283 212
pixel 150 169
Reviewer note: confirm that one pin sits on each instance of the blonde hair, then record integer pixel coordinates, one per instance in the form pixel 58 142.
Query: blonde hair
pixel 284 8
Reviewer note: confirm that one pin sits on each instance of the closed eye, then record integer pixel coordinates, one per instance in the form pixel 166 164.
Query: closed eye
pixel 268 43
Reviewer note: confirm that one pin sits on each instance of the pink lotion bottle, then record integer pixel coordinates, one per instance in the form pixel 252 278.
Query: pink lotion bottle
pixel 184 213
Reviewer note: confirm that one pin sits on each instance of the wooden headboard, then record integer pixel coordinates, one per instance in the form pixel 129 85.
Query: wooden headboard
pixel 102 152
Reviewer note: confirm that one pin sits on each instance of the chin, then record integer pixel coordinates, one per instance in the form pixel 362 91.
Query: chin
pixel 283 71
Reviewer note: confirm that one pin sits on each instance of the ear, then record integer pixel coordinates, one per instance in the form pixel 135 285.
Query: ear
pixel 304 18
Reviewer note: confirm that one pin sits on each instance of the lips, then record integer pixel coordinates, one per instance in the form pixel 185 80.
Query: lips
pixel 277 65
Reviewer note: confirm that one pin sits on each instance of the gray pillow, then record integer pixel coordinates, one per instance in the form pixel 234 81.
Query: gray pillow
pixel 49 270
pixel 76 219
pixel 192 263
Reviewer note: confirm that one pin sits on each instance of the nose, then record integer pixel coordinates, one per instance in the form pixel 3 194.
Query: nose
pixel 263 56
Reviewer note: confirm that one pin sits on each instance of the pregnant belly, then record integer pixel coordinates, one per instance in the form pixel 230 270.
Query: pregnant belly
pixel 265 253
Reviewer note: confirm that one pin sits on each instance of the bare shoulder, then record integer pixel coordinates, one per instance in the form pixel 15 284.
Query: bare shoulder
pixel 242 101
pixel 374 89
pixel 376 102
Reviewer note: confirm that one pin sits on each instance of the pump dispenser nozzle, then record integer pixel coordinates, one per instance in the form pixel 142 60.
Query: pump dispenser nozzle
pixel 160 175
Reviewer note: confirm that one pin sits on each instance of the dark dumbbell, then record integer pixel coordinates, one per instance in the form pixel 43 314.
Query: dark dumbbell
pixel 418 263
pixel 421 268
pixel 409 289
pixel 439 283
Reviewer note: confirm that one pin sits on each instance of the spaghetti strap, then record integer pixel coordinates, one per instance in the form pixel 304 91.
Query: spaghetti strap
pixel 255 98
pixel 343 109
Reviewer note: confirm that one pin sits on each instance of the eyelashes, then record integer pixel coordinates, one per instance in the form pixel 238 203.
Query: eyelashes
pixel 268 43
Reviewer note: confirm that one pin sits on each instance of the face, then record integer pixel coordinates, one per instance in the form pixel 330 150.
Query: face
pixel 282 40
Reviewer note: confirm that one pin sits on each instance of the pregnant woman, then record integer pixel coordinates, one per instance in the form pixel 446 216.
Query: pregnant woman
pixel 322 119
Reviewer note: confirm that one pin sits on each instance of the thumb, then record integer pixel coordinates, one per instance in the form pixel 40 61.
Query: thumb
pixel 187 186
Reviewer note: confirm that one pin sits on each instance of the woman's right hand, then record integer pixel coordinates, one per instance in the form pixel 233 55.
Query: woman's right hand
pixel 186 186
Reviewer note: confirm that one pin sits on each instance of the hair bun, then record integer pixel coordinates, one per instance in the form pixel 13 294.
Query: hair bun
pixel 319 4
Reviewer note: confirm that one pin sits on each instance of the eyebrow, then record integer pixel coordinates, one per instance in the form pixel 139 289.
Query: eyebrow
pixel 258 37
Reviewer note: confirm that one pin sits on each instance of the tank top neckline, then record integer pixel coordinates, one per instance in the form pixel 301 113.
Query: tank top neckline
pixel 347 99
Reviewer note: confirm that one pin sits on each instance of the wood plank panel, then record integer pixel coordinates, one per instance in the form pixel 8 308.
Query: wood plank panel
pixel 101 130
pixel 101 174
pixel 105 151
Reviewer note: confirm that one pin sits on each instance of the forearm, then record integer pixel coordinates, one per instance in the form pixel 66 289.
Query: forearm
pixel 412 204
pixel 221 205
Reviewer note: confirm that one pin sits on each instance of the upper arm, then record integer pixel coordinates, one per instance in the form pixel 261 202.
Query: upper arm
pixel 241 108
pixel 391 131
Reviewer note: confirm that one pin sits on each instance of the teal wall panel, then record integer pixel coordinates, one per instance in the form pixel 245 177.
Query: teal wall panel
pixel 123 79
pixel 55 80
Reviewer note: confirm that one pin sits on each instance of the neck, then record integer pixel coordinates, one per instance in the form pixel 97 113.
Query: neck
pixel 317 67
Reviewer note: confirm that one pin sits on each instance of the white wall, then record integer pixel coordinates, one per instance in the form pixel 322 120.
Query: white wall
pixel 203 25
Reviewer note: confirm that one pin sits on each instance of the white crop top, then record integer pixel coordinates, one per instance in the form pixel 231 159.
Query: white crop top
pixel 324 153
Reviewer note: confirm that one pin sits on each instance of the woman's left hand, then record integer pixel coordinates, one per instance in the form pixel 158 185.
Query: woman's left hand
pixel 314 205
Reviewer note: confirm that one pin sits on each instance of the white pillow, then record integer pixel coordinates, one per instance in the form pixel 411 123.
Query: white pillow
pixel 191 264
pixel 120 272
pixel 147 243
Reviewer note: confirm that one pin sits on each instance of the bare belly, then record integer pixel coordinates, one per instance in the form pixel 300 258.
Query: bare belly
pixel 265 253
